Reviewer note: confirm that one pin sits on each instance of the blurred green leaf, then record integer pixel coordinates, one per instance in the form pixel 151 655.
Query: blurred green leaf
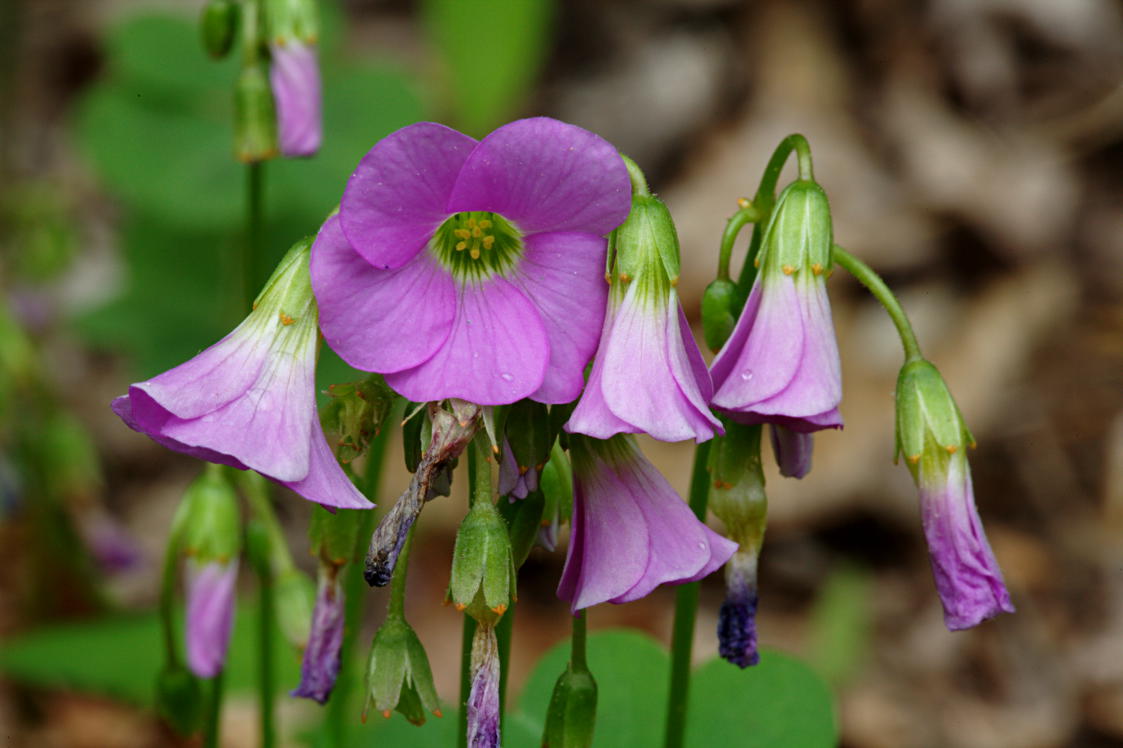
pixel 840 625
pixel 120 657
pixel 492 51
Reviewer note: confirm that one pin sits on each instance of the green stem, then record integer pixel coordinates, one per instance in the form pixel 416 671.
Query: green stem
pixel 251 247
pixel 168 585
pixel 211 730
pixel 577 659
pixel 686 608
pixel 398 581
pixel 465 678
pixel 266 618
pixel 335 714
pixel 479 470
pixel 765 200
pixel 872 281
pixel 256 491
pixel 747 214
pixel 636 176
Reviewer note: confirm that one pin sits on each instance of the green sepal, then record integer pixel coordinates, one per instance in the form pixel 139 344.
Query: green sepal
pixel 524 518
pixel 412 427
pixel 557 486
pixel 645 238
pixel 483 574
pixel 929 422
pixel 571 716
pixel 355 413
pixel 528 433
pixel 799 235
pixel 212 527
pixel 218 26
pixel 559 415
pixel 737 495
pixel 292 20
pixel 295 595
pixel 332 537
pixel 494 418
pixel 398 673
pixel 255 115
pixel 718 317
pixel 179 699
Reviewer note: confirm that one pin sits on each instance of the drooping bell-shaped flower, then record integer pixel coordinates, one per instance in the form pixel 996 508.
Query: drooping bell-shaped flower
pixel 934 439
pixel 472 270
pixel 294 75
pixel 781 363
pixel 648 375
pixel 398 673
pixel 211 539
pixel 249 401
pixel 630 531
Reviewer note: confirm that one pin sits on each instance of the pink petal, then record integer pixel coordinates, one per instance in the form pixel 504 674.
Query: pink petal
pixel 727 357
pixel 562 274
pixel 496 353
pixel 399 192
pixel 546 175
pixel 592 416
pixel 380 320
pixel 326 483
pixel 144 415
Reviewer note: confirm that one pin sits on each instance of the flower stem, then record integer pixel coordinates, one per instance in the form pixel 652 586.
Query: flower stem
pixel 636 176
pixel 872 281
pixel 398 581
pixel 468 635
pixel 686 608
pixel 504 630
pixel 266 619
pixel 479 470
pixel 577 648
pixel 251 247
pixel 747 214
pixel 335 714
pixel 765 199
pixel 211 730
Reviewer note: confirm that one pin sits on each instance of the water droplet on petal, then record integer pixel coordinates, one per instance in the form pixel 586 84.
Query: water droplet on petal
pixel 702 545
pixel 747 374
pixel 507 377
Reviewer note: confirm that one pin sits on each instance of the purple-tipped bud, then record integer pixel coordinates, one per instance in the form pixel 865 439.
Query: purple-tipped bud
pixel 792 450
pixel 736 625
pixel 320 667
pixel 210 614
pixel 483 698
pixel 295 79
pixel 515 481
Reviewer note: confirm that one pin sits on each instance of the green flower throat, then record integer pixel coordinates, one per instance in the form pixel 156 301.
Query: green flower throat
pixel 476 245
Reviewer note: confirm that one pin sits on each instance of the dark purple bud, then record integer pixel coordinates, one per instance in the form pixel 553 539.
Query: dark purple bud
pixel 736 626
pixel 792 450
pixel 483 698
pixel 320 667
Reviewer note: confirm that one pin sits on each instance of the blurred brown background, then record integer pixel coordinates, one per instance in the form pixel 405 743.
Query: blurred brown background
pixel 973 153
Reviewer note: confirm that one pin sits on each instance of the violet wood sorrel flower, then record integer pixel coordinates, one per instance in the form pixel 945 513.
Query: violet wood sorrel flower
pixel 648 375
pixel 781 364
pixel 249 400
pixel 933 438
pixel 294 75
pixel 631 531
pixel 472 270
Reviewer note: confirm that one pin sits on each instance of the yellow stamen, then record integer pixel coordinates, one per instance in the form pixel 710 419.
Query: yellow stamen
pixel 462 233
pixel 489 241
pixel 477 232
pixel 471 223
pixel 475 253
pixel 817 269
pixel 484 223
pixel 788 269
pixel 461 246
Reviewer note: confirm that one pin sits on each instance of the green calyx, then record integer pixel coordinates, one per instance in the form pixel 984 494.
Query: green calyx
pixel 737 493
pixel 476 245
pixel 286 307
pixel 355 413
pixel 571 716
pixel 398 674
pixel 930 428
pixel 483 572
pixel 212 526
pixel 179 699
pixel 296 598
pixel 645 250
pixel 255 115
pixel 718 317
pixel 217 25
pixel 292 20
pixel 331 537
pixel 799 237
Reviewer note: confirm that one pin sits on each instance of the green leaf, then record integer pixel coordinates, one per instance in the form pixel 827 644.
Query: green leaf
pixel 840 625
pixel 121 656
pixel 780 702
pixel 492 51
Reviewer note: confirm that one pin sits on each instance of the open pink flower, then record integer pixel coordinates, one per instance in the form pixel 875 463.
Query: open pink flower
pixel 469 269
pixel 631 531
pixel 249 400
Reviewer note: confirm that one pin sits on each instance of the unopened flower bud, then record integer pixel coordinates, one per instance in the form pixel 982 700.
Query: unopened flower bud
pixel 736 626
pixel 525 450
pixel 483 574
pixel 255 115
pixel 718 318
pixel 292 20
pixel 179 700
pixel 933 438
pixel 332 536
pixel 218 25
pixel 295 597
pixel 571 716
pixel 398 674
pixel 557 490
pixel 792 450
pixel 212 528
pixel 319 667
pixel 483 697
